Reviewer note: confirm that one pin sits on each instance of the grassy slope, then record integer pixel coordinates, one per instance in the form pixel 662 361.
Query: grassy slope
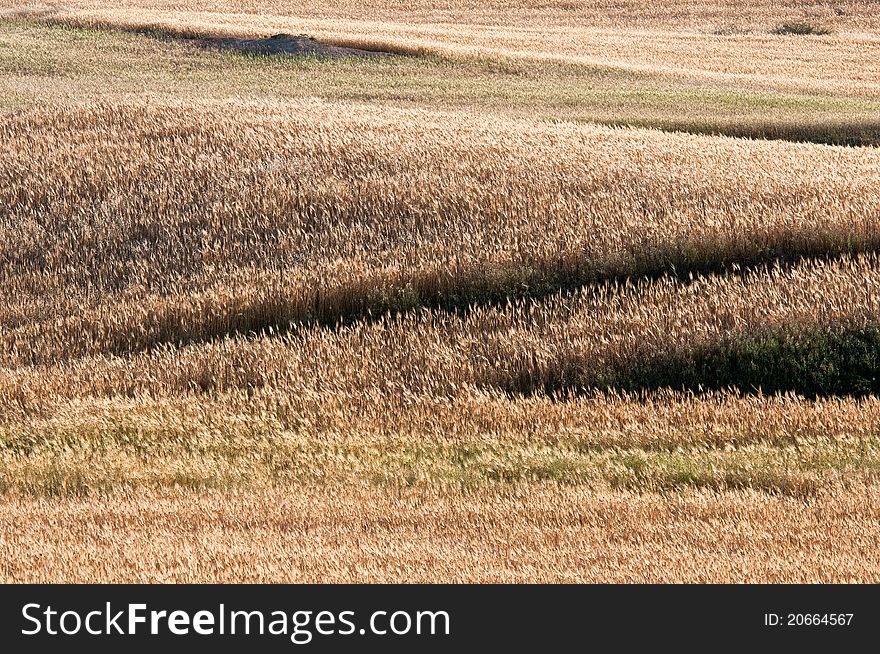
pixel 752 55
pixel 51 63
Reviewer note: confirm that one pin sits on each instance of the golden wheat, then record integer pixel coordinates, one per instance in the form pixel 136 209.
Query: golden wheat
pixel 152 225
pixel 534 533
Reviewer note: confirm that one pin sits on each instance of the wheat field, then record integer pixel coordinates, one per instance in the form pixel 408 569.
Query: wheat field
pixel 544 292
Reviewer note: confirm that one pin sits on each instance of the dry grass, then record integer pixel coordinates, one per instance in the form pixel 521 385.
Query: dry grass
pixel 272 320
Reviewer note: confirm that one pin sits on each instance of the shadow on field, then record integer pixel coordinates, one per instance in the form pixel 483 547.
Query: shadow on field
pixel 812 362
pixel 278 44
pixel 495 285
pixel 846 133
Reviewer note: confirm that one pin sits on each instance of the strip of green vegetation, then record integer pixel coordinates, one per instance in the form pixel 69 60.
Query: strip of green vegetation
pixel 800 468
